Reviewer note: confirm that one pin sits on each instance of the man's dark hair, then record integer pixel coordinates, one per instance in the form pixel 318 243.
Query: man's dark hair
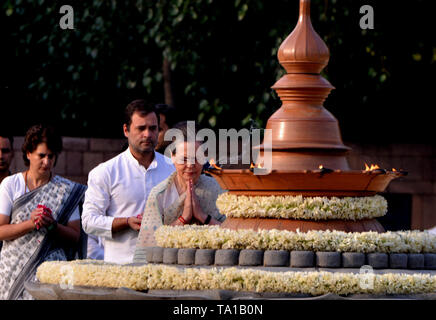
pixel 38 134
pixel 140 106
pixel 6 135
pixel 169 112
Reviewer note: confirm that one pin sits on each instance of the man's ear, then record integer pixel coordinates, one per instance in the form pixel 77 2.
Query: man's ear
pixel 125 130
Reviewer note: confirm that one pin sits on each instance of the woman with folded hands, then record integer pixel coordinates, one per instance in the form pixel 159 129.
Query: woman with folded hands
pixel 185 197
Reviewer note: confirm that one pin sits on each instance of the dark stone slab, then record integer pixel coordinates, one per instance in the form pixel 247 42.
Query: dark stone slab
pixel 158 254
pixel 302 259
pixel 378 260
pixel 353 259
pixel 328 259
pixel 226 257
pixel 430 261
pixel 186 256
pixel 398 260
pixel 276 258
pixel 204 257
pixel 251 258
pixel 170 255
pixel 415 261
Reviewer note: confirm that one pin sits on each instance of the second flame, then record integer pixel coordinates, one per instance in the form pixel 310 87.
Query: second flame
pixel 373 167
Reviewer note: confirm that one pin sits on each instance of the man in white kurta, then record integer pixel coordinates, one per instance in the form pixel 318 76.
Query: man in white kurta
pixel 118 189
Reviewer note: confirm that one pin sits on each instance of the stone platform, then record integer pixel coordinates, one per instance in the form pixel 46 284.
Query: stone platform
pixel 42 291
pixel 283 258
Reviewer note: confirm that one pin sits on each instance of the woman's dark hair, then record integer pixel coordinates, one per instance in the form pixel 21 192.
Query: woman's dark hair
pixel 41 134
pixel 184 128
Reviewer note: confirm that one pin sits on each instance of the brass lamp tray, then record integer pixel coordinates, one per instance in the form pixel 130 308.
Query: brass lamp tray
pixel 354 183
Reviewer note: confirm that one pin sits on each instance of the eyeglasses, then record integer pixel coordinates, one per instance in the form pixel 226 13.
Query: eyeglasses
pixel 187 161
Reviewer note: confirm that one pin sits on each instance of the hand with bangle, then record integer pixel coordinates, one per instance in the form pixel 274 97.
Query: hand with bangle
pixel 134 222
pixel 192 208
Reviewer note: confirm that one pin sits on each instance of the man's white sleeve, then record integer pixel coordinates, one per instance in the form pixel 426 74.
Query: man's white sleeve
pixel 95 248
pixel 97 200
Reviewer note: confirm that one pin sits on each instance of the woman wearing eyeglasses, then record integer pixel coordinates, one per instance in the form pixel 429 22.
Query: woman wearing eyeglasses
pixel 185 197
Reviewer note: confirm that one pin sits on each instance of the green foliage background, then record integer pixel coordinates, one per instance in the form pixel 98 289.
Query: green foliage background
pixel 223 63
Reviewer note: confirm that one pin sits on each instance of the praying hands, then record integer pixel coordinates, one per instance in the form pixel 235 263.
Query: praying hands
pixel 192 209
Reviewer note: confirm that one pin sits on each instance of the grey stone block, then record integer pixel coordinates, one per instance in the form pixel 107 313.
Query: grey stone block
pixel 328 259
pixel 149 254
pixel 74 163
pixel 170 255
pixel 415 261
pixel 251 258
pixel 91 160
pixel 204 257
pixel 158 254
pixel 276 258
pixel 430 261
pixel 378 260
pixel 226 257
pixel 186 256
pixel 97 144
pixel 353 259
pixel 302 259
pixel 75 144
pixel 398 260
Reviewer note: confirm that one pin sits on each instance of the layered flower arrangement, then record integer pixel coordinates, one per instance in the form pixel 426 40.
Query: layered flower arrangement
pixel 299 207
pixel 214 237
pixel 85 273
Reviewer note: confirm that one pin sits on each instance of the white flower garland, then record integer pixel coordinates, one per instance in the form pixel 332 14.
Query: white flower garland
pixel 171 278
pixel 298 207
pixel 214 237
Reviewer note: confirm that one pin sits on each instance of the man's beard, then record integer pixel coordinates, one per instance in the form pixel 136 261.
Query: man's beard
pixel 143 150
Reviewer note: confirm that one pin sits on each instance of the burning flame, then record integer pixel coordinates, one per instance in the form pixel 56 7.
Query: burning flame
pixel 373 167
pixel 394 170
pixel 320 167
pixel 213 164
pixel 252 166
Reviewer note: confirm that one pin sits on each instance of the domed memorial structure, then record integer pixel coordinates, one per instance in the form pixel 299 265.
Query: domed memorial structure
pixel 306 230
pixel 308 155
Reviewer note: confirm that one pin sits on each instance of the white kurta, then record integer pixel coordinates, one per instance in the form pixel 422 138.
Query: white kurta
pixel 120 188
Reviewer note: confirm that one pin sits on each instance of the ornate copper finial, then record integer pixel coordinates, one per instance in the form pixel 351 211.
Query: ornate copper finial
pixel 303 51
pixel 304 133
